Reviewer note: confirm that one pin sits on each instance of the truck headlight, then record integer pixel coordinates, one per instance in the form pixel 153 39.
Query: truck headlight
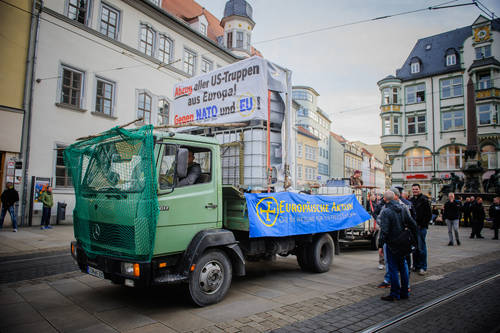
pixel 131 269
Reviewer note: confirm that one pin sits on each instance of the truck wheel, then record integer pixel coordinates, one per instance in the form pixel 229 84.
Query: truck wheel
pixel 211 278
pixel 302 258
pixel 374 241
pixel 321 254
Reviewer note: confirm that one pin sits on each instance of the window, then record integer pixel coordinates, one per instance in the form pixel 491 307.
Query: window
pixel 415 67
pixel 299 171
pixel 203 29
pixel 109 21
pixel 416 124
pixel 310 173
pixel 451 87
pixel 144 107
pixel 310 153
pixel 167 167
pixel 415 94
pixel 104 97
pixel 230 40
pixel 483 52
pixel 390 96
pixel 489 157
pixel 390 125
pixel 78 10
pixel 418 159
pixel 249 41
pixel 302 95
pixel 451 59
pixel 299 150
pixel 206 65
pixel 322 169
pixel 189 58
pixel 146 44
pixel 451 157
pixel 485 114
pixel 202 160
pixel 484 80
pixel 239 39
pixel 165 49
pixel 63 179
pixel 71 90
pixel 163 111
pixel 303 112
pixel 453 120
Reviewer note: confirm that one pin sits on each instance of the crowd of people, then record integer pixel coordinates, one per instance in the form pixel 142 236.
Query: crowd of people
pixel 400 216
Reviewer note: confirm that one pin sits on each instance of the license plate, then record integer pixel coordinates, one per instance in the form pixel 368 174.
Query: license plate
pixel 95 272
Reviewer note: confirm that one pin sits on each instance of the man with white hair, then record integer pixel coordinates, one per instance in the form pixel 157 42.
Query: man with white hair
pixel 394 219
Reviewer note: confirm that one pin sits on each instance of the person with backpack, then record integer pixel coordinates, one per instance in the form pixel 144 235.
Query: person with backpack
pixel 399 232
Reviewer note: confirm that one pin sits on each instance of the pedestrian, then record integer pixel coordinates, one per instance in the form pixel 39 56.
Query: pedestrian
pixel 466 212
pixel 495 215
pixel 478 216
pixel 423 212
pixel 451 215
pixel 48 201
pixel 9 198
pixel 394 219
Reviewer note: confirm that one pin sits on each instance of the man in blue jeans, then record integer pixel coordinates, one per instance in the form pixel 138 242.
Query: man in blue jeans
pixel 424 215
pixel 9 198
pixel 393 220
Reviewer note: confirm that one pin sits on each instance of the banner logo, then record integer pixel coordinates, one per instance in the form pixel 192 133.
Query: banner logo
pixel 264 208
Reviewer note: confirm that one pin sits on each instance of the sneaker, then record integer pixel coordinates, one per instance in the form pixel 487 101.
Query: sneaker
pixel 458 242
pixel 381 267
pixel 388 298
pixel 384 285
pixel 450 244
pixel 48 227
pixel 422 272
pixel 14 230
pixel 42 227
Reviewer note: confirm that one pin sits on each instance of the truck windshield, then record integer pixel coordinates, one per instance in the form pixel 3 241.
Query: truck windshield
pixel 115 167
pixel 166 178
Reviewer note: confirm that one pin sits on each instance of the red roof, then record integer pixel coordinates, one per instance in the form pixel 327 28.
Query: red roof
pixel 190 10
pixel 304 131
pixel 338 137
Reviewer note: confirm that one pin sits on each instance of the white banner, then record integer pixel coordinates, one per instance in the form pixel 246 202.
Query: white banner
pixel 234 93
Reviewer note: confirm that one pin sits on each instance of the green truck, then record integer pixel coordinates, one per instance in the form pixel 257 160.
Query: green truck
pixel 140 223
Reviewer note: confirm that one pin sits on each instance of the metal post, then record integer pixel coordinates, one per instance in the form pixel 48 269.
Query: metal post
pixel 269 141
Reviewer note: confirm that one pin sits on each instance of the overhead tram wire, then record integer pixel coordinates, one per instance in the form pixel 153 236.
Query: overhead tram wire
pixel 479 3
pixel 443 5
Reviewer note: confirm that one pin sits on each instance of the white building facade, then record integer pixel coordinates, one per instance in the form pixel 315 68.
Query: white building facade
pixel 105 63
pixel 424 108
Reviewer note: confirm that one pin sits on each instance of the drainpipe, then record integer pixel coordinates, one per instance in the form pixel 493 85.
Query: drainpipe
pixel 30 76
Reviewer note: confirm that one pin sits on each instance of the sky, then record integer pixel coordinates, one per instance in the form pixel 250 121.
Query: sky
pixel 344 64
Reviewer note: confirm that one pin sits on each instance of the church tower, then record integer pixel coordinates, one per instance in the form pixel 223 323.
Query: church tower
pixel 238 25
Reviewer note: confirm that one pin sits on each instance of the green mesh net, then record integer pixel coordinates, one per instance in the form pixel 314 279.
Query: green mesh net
pixel 116 207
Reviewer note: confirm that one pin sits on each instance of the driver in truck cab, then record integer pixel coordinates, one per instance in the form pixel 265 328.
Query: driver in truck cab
pixel 193 172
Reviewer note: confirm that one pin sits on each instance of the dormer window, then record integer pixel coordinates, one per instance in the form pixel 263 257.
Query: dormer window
pixel 451 59
pixel 415 67
pixel 229 40
pixel 203 29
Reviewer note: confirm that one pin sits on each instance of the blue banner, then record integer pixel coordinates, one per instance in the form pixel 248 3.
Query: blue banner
pixel 285 213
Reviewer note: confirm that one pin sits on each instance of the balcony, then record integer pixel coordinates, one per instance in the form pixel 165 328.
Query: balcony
pixel 390 108
pixel 487 89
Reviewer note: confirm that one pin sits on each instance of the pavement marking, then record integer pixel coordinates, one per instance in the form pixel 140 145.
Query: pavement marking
pixel 404 316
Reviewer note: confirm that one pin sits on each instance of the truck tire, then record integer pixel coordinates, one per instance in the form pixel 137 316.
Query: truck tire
pixel 374 241
pixel 211 278
pixel 303 258
pixel 321 254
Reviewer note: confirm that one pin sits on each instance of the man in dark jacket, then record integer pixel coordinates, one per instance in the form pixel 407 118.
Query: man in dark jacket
pixel 9 198
pixel 393 220
pixel 466 212
pixel 451 215
pixel 424 215
pixel 478 216
pixel 495 215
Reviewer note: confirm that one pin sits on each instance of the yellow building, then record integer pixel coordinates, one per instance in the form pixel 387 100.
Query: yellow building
pixel 307 159
pixel 15 22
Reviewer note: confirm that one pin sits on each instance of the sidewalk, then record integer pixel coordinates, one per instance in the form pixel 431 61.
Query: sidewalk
pixel 32 240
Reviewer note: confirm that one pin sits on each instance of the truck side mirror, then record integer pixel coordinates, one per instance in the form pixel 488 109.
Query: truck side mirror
pixel 182 162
